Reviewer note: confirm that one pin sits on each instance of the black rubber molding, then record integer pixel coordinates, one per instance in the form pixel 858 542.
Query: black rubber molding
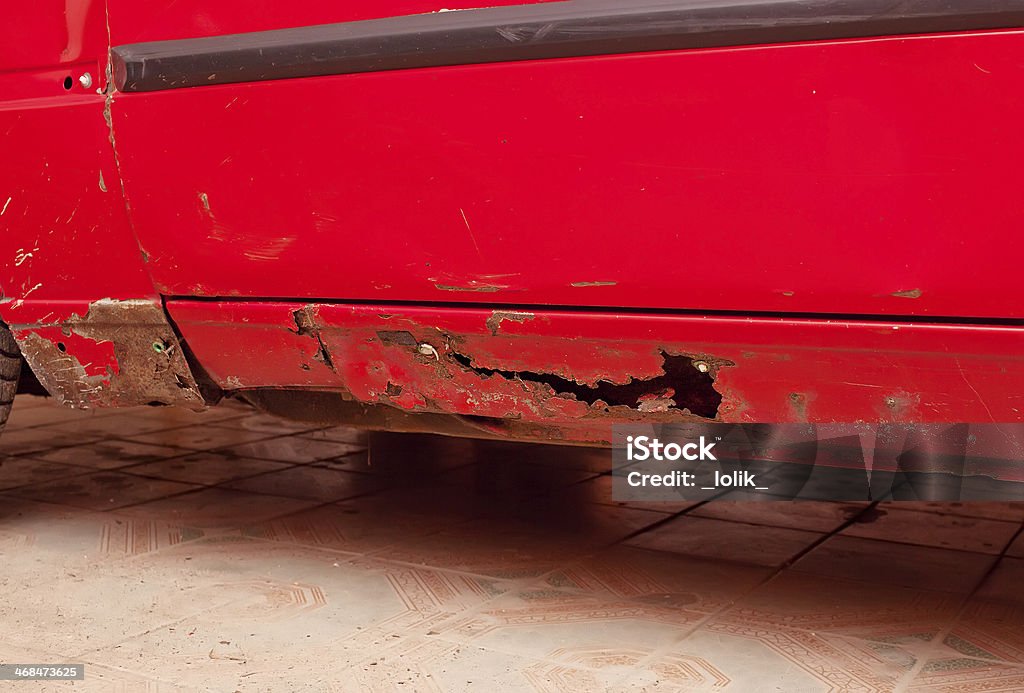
pixel 537 31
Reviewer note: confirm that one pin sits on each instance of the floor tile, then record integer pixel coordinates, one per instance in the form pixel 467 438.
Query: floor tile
pixel 217 508
pixel 934 529
pixel 819 516
pixel 111 454
pixel 104 490
pixel 326 559
pixel 291 449
pixel 904 565
pixel 199 437
pixel 22 471
pixel 208 468
pixel 730 541
pixel 309 483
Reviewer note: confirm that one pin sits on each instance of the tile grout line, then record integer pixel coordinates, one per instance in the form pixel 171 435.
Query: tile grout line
pixel 940 637
pixel 731 604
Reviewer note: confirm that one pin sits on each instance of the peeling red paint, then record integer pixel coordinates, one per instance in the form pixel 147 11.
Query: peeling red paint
pixel 837 371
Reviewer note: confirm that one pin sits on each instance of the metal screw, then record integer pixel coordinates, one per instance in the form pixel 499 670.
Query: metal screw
pixel 428 350
pixel 85 80
pixel 701 366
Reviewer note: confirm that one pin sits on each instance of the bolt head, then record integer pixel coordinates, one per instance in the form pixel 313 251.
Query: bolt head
pixel 701 366
pixel 85 80
pixel 428 350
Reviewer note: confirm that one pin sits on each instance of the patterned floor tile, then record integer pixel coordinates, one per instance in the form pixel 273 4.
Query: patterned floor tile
pixel 967 675
pixel 301 558
pixel 658 579
pixel 357 526
pixel 890 615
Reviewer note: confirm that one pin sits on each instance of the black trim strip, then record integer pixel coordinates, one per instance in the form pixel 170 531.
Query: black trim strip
pixel 537 31
pixel 909 319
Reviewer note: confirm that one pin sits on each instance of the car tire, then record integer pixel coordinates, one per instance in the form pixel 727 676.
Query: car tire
pixel 10 370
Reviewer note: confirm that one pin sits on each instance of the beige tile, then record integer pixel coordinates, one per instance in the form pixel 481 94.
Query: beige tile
pixel 507 545
pixel 291 449
pixel 266 422
pixel 730 541
pixel 1012 511
pixel 904 565
pixel 21 471
pixel 340 434
pixel 111 454
pixel 935 529
pixel 953 674
pixel 199 437
pixel 989 628
pixel 884 613
pixel 23 441
pixel 208 468
pixel 309 483
pixel 359 525
pixel 45 414
pixel 1004 583
pixel 117 425
pixel 1016 548
pixel 598 489
pixel 216 508
pixel 748 657
pixel 466 565
pixel 105 490
pixel 658 579
pixel 819 516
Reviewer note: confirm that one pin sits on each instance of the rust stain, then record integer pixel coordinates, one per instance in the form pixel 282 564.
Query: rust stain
pixel 480 288
pixel 498 316
pixel 130 352
pixel 911 293
pixel 306 325
pixel 579 285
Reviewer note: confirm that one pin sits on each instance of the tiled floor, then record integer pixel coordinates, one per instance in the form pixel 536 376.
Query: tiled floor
pixel 230 551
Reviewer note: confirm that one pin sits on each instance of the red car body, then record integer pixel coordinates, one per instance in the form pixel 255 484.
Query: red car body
pixel 498 226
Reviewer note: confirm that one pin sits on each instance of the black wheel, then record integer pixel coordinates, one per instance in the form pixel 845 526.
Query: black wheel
pixel 10 369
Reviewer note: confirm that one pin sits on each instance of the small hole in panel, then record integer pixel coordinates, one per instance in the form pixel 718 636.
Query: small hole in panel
pixel 68 82
pixel 61 348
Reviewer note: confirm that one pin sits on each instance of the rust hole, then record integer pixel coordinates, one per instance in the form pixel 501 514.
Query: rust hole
pixel 687 387
pixel 61 347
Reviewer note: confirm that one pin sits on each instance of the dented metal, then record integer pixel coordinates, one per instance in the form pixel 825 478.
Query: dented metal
pixel 120 353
